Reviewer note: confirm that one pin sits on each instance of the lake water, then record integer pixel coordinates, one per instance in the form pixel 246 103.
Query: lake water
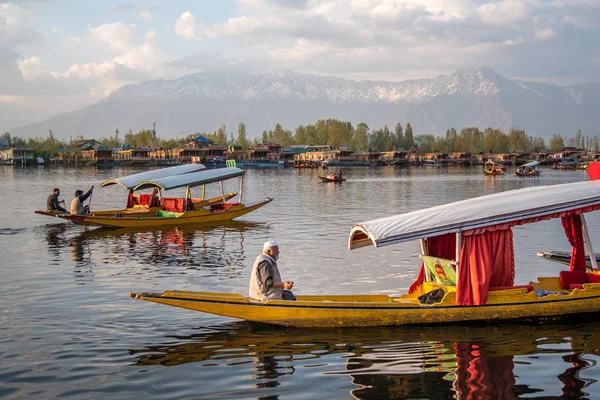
pixel 69 330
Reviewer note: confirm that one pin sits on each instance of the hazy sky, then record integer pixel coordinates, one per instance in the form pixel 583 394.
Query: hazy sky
pixel 61 55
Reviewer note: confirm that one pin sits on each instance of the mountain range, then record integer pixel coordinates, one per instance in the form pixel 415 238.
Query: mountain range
pixel 206 100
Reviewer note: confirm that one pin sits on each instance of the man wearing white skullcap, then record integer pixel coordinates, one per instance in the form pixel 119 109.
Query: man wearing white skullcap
pixel 265 280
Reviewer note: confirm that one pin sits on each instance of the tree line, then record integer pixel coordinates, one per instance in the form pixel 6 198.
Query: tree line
pixel 337 134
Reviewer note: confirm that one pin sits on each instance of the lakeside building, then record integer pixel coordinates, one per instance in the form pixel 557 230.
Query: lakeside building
pixel 435 158
pixel 98 156
pixel 15 155
pixel 73 153
pixel 397 157
pixel 133 157
pixel 460 158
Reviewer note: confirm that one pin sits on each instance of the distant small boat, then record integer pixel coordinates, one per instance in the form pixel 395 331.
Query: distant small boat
pixel 332 178
pixel 493 168
pixel 40 160
pixel 564 257
pixel 529 169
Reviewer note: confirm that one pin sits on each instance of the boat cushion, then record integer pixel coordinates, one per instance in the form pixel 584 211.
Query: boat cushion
pixel 496 288
pixel 175 204
pixel 576 286
pixel 169 214
pixel 567 278
pixel 593 277
pixel 222 206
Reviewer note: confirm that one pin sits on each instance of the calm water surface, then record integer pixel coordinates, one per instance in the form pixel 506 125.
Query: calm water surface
pixel 70 331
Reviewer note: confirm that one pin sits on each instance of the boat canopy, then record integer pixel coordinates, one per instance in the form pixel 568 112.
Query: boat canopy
pixel 479 212
pixel 191 179
pixel 131 181
pixel 531 164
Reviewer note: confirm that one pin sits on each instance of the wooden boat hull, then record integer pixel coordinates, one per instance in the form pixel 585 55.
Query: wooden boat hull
pixel 381 310
pixel 564 257
pixel 205 215
pixel 326 179
pixel 493 172
pixel 536 173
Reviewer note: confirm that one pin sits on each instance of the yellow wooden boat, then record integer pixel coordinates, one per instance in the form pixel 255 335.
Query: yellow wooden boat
pixel 176 211
pixel 492 168
pixel 148 204
pixel 467 272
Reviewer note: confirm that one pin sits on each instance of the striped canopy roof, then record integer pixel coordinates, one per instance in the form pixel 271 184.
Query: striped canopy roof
pixel 192 179
pixel 131 181
pixel 479 212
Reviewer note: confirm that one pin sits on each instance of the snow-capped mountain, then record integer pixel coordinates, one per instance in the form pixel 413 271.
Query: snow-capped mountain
pixel 203 101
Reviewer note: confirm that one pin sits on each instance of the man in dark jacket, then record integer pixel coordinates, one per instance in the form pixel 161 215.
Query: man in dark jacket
pixel 52 204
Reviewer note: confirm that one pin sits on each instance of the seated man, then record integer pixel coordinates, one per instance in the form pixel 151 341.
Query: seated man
pixel 52 204
pixel 265 280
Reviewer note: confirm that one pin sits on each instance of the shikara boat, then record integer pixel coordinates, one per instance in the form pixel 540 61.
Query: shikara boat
pixel 144 204
pixel 530 169
pixel 178 211
pixel 467 273
pixel 492 168
pixel 331 178
pixel 564 257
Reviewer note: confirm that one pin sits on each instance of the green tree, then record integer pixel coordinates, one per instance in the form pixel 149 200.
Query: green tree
pixel 557 143
pixel 425 143
pixel 451 138
pixel 399 133
pixel 409 141
pixel 360 140
pixel 241 138
pixel 6 136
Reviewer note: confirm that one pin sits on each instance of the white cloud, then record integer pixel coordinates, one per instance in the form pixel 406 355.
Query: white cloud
pixel 118 36
pixel 186 26
pixel 544 34
pixel 145 15
pixel 31 68
pixel 151 35
pixel 503 12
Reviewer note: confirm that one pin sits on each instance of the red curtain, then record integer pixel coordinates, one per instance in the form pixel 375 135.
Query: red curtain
pixel 486 260
pixel 130 199
pixel 572 226
pixel 443 246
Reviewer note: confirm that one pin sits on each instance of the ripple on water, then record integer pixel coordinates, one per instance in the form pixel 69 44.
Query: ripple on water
pixel 69 330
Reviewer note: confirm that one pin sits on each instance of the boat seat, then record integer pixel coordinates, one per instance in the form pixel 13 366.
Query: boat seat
pixel 222 206
pixel 568 278
pixel 498 288
pixel 593 277
pixel 176 204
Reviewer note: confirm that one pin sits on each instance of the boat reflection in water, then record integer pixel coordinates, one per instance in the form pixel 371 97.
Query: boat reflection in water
pixel 434 362
pixel 172 249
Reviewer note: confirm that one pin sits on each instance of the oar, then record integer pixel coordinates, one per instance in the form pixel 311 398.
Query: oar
pixel 91 195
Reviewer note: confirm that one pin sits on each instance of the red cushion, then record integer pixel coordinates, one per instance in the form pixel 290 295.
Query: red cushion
pixel 175 205
pixel 576 286
pixel 567 278
pixel 593 277
pixel 528 287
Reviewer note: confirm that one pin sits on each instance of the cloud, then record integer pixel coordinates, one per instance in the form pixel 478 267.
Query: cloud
pixel 186 26
pixel 31 68
pixel 118 36
pixel 503 12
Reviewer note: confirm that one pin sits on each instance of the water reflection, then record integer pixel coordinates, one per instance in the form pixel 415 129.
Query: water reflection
pixel 169 249
pixel 475 362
